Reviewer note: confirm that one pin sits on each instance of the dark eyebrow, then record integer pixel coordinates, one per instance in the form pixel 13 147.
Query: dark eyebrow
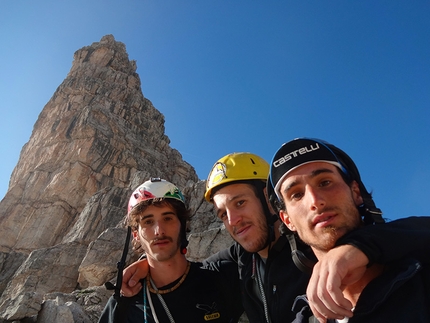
pixel 313 174
pixel 168 213
pixel 152 215
pixel 146 217
pixel 321 171
pixel 234 198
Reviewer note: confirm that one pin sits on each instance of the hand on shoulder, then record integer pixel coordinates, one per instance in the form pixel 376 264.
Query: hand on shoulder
pixel 341 266
pixel 131 277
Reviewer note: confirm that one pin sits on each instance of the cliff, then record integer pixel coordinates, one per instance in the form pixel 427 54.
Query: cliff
pixel 61 235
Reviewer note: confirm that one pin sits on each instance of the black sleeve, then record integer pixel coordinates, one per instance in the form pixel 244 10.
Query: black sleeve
pixel 218 260
pixel 122 309
pixel 390 241
pixel 231 289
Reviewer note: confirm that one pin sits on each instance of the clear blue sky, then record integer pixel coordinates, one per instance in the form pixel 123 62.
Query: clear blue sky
pixel 245 76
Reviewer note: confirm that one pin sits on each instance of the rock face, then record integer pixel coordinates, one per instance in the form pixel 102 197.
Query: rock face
pixel 61 228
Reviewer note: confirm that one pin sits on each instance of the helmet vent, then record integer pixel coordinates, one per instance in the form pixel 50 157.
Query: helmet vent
pixel 252 161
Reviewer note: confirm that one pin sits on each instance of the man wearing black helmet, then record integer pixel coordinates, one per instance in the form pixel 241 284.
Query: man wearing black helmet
pixel 321 197
pixel 269 278
pixel 175 289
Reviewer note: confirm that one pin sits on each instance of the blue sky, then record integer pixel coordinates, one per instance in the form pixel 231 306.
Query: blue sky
pixel 245 76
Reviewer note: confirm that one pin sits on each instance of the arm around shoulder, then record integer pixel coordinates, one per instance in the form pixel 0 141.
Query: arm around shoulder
pixel 217 260
pixel 393 240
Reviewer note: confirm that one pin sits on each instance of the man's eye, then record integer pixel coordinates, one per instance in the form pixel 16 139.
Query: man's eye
pixel 325 183
pixel 221 214
pixel 240 203
pixel 147 222
pixel 296 196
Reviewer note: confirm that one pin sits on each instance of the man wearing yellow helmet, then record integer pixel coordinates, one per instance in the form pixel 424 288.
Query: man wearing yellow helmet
pixel 269 280
pixel 248 172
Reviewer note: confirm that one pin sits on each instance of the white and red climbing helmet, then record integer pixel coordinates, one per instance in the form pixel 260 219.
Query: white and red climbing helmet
pixel 154 188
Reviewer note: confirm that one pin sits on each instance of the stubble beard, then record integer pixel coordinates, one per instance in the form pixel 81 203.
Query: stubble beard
pixel 328 238
pixel 257 244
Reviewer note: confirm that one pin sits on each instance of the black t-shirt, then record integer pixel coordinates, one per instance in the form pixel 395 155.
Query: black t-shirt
pixel 204 296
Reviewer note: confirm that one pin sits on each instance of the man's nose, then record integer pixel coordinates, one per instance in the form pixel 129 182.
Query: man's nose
pixel 159 229
pixel 234 217
pixel 316 198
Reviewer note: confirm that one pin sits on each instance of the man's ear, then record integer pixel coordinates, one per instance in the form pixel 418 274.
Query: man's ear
pixel 356 194
pixel 286 219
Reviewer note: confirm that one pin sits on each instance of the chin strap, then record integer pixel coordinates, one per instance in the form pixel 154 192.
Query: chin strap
pixel 300 260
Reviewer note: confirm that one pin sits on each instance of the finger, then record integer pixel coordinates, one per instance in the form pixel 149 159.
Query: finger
pixel 131 291
pixel 131 276
pixel 325 294
pixel 125 289
pixel 323 306
pixel 335 303
pixel 135 272
pixel 317 295
pixel 334 299
pixel 126 274
pixel 334 286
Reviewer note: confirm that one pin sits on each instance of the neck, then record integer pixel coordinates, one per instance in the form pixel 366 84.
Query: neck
pixel 264 253
pixel 166 272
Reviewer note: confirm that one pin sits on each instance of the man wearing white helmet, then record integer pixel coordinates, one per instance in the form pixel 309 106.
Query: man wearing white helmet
pixel 175 289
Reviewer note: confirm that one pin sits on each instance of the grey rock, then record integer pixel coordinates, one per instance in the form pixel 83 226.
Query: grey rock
pixel 61 220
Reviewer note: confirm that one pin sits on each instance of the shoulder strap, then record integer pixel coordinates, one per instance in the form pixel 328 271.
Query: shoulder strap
pixel 120 311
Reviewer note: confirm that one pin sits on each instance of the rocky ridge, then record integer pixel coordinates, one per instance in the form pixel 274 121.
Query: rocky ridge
pixel 61 231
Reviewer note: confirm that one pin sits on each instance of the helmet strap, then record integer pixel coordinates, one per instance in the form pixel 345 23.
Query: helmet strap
pixel 368 210
pixel 270 218
pixel 183 237
pixel 300 260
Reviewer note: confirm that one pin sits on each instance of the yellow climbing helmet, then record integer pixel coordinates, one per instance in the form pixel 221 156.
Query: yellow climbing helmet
pixel 236 167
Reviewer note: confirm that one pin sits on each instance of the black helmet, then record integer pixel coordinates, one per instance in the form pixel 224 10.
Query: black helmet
pixel 302 151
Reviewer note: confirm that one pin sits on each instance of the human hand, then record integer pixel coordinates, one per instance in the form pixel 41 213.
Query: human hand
pixel 341 266
pixel 131 277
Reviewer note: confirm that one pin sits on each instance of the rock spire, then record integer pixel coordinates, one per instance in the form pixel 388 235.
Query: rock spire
pixel 95 140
